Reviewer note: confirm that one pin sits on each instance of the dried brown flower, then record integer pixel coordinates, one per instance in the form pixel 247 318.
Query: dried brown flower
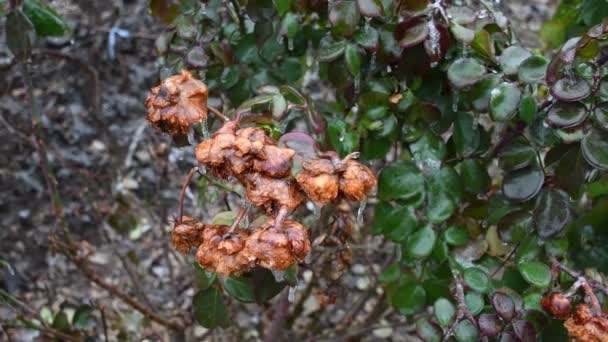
pixel 177 103
pixel 278 248
pixel 324 180
pixel 271 193
pixel 585 327
pixel 357 181
pixel 222 253
pixel 556 304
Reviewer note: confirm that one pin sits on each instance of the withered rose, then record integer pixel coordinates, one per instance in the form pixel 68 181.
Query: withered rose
pixel 278 248
pixel 271 193
pixel 223 254
pixel 357 181
pixel 177 103
pixel 556 304
pixel 585 327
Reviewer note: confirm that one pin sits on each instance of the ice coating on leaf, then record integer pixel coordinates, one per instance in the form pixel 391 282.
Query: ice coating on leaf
pixel 177 103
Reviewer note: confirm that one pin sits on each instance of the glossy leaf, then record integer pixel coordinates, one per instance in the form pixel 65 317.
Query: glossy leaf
pixel 209 309
pixel 504 306
pixel 429 151
pixel 566 114
pixel 517 155
pixel 571 88
pixel 476 279
pixel 429 331
pixel 511 58
pixel 504 101
pixel 370 8
pixel 489 325
pixel 456 236
pixel 420 244
pixel 396 223
pixel 465 72
pixel 475 178
pixel 401 180
pixel 535 273
pixel 409 298
pixel 352 59
pixel 466 135
pixel 344 16
pixel 465 331
pixel 533 69
pixel 330 50
pixel 594 148
pixel 552 213
pixel 522 185
pixel 524 330
pixel 46 21
pixel 265 286
pixel 527 109
pixel 240 288
pixel 444 311
pixel 474 302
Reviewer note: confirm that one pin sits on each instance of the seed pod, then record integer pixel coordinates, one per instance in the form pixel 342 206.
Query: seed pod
pixel 177 103
pixel 557 305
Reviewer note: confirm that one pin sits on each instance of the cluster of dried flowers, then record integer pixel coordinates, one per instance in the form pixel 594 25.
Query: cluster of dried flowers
pixel 264 169
pixel 585 324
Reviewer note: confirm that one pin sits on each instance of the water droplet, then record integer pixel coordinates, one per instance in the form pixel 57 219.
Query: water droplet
pixel 341 138
pixel 202 169
pixel 372 61
pixel 361 211
pixel 289 44
pixel 279 276
pixel 191 139
pixel 280 39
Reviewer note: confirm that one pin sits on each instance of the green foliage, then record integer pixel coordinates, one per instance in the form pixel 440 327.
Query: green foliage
pixel 494 156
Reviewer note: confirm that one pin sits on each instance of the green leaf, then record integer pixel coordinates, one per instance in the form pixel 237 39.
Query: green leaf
pixel 456 236
pixel 476 279
pixel 330 50
pixel 420 244
pixel 428 330
pixel 511 59
pixel 61 321
pixel 518 154
pixel 466 135
pixel 290 25
pixel 396 223
pixel 343 140
pixel 594 147
pixel 370 8
pixel 18 31
pixel 390 274
pixel 46 21
pixel 474 302
pixel 527 109
pixel 522 185
pixel 465 331
pixel 265 285
pixel 429 151
pixel 483 44
pixel 533 69
pixel 400 180
pixel 475 178
pixel 566 114
pixel 465 72
pixel 368 37
pixel 282 6
pixel 504 101
pixel 535 273
pixel 352 59
pixel 83 317
pixel 202 278
pixel 444 194
pixel 230 76
pixel 593 11
pixel 344 17
pixel 552 213
pixel 409 298
pixel 209 309
pixel 444 311
pixel 240 288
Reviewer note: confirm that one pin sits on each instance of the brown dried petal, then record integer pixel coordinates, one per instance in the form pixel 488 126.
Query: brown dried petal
pixel 177 103
pixel 321 188
pixel 221 254
pixel 187 235
pixel 556 304
pixel 357 181
pixel 318 166
pixel 271 193
pixel 278 248
pixel 586 328
pixel 274 161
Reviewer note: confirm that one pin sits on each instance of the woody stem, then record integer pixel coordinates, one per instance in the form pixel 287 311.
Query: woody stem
pixel 281 215
pixel 217 113
pixel 238 219
pixel 182 193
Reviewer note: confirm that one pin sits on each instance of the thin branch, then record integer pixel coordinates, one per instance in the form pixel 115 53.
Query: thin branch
pixel 281 310
pixel 238 219
pixel 222 185
pixel 219 114
pixel 182 193
pixel 463 310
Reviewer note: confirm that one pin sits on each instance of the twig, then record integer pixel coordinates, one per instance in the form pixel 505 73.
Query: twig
pixel 238 219
pixel 103 322
pixel 182 193
pixel 463 310
pixel 585 283
pixel 507 258
pixel 222 185
pixel 217 113
pixel 93 276
pixel 281 310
